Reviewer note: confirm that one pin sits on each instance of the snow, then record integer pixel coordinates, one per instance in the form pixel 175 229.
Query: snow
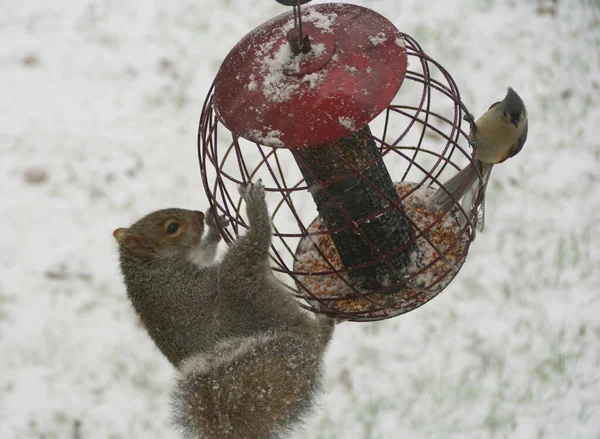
pixel 321 21
pixel 378 39
pixel 347 122
pixel 314 79
pixel 252 86
pixel 98 124
pixel 278 64
pixel 271 138
pixel 400 42
pixel 294 63
pixel 278 87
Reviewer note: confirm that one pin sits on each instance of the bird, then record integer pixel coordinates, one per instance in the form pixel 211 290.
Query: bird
pixel 496 136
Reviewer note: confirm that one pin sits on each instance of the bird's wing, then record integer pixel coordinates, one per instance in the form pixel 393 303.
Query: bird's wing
pixel 495 104
pixel 519 146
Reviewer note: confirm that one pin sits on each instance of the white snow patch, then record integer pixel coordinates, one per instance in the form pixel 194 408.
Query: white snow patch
pixel 294 63
pixel 347 122
pixel 271 138
pixel 378 39
pixel 314 79
pixel 321 21
pixel 252 86
pixel 278 87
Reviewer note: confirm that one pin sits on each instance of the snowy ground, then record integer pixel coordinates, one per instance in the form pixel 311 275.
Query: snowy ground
pixel 98 117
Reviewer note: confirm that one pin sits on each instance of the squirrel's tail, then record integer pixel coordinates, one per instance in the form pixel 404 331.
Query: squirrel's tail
pixel 250 387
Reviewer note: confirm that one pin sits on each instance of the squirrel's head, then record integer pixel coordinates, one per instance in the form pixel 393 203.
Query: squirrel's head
pixel 162 234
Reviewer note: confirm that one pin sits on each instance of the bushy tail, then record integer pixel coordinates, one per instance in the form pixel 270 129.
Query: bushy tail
pixel 249 388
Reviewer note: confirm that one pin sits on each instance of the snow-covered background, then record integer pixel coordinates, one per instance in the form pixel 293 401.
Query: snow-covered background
pixel 99 104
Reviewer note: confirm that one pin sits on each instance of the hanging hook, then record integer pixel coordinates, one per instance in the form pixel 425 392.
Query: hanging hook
pixel 292 2
pixel 298 41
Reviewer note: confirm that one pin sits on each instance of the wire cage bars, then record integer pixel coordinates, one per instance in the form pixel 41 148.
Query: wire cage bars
pixel 419 138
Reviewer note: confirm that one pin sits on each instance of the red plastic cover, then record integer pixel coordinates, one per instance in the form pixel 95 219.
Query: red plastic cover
pixel 265 94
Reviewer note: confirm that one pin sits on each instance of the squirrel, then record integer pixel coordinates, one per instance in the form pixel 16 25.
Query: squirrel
pixel 249 358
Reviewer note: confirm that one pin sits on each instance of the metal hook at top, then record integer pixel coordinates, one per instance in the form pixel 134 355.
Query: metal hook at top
pixel 299 41
pixel 292 2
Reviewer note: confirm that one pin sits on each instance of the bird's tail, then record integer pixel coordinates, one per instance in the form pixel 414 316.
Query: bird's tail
pixel 486 172
pixel 456 187
pixel 462 185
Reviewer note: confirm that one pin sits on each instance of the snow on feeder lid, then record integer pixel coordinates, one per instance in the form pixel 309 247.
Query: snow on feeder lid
pixel 309 83
pixel 266 93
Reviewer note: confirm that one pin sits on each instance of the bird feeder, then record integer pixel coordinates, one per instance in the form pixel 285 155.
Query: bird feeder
pixel 332 107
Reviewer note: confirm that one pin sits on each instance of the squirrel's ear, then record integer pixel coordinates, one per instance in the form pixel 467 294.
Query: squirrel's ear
pixel 136 244
pixel 120 233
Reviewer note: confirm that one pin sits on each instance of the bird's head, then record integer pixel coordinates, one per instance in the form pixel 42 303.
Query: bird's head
pixel 513 108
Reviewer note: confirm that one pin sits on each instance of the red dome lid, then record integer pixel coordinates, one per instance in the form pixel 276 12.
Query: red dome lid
pixel 356 65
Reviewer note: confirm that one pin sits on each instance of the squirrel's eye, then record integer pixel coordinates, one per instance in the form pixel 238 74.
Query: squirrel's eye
pixel 172 228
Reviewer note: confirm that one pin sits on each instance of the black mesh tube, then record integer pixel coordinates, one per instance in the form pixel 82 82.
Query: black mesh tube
pixel 349 183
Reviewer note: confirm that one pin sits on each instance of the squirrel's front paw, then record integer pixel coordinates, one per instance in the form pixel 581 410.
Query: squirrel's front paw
pixel 252 191
pixel 214 221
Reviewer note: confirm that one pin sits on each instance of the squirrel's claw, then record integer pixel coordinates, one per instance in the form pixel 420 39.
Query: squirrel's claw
pixel 251 190
pixel 213 220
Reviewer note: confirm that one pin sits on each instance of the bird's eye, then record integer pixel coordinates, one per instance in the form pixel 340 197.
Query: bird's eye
pixel 506 114
pixel 172 228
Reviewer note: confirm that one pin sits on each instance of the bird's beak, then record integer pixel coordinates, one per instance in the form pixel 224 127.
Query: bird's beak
pixel 515 122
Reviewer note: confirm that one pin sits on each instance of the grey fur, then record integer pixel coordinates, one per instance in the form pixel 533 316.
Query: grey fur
pixel 189 311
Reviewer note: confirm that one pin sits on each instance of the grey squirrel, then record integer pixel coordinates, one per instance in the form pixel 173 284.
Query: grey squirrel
pixel 249 358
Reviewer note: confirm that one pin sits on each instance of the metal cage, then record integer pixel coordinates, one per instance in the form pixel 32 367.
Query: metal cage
pixel 421 139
